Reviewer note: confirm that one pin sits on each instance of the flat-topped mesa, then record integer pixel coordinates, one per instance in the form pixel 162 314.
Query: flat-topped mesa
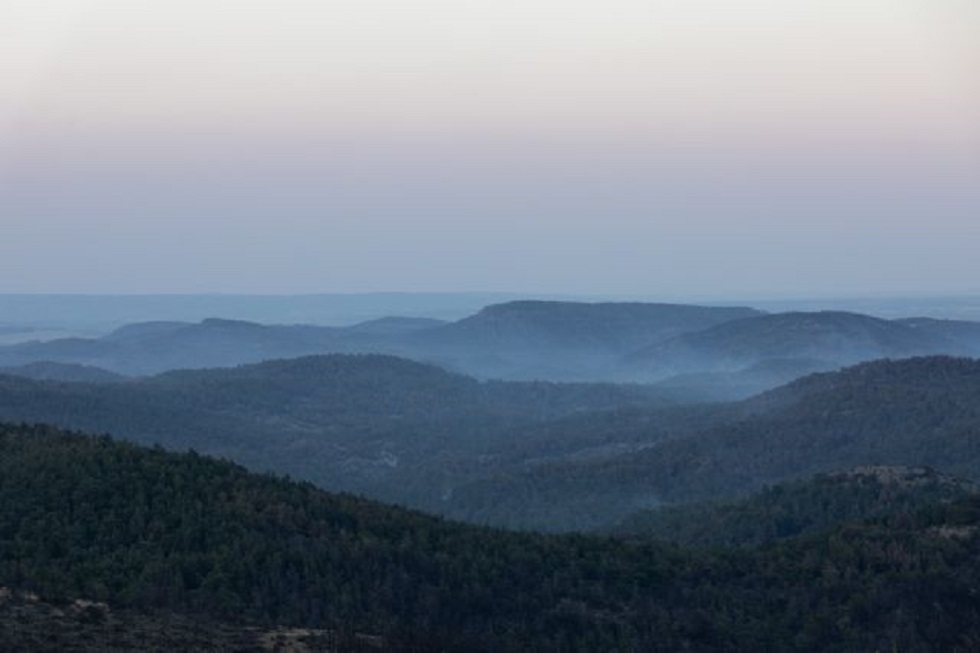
pixel 617 326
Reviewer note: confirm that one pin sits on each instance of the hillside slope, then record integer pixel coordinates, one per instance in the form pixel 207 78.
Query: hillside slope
pixel 562 340
pixel 518 340
pixel 826 339
pixel 914 412
pixel 698 352
pixel 384 426
pixel 143 529
pixel 68 372
pixel 791 509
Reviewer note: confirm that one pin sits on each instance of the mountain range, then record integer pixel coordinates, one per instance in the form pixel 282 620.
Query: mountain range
pixel 915 412
pixel 613 477
pixel 389 427
pixel 696 352
pixel 544 456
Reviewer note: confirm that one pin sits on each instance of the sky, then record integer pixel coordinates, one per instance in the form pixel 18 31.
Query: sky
pixel 663 148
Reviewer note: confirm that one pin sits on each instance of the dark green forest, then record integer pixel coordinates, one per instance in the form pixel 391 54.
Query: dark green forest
pixel 530 455
pixel 914 412
pixel 147 530
pixel 378 425
pixel 796 508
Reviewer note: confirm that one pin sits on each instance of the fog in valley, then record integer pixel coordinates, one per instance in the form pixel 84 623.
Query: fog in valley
pixel 470 325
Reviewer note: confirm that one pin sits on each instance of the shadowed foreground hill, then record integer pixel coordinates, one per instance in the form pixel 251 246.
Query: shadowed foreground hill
pixel 147 530
pixel 30 623
pixel 791 509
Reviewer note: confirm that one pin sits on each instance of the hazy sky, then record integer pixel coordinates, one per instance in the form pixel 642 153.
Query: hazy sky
pixel 668 148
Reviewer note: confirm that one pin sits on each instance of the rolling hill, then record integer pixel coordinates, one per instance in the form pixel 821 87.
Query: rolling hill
pixel 614 327
pixel 155 347
pixel 380 425
pixel 914 412
pixel 518 340
pixel 68 372
pixel 521 454
pixel 95 531
pixel 825 339
pixel 695 353
pixel 561 340
pixel 791 509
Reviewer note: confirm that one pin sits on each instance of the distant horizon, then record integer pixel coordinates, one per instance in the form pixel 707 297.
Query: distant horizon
pixel 774 149
pixel 544 295
pixel 62 315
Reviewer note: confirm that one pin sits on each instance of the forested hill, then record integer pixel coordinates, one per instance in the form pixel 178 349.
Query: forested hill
pixel 154 347
pixel 526 340
pixel 145 529
pixel 529 455
pixel 833 337
pixel 566 341
pixel 611 326
pixel 521 340
pixel 386 386
pixel 914 412
pixel 880 387
pixel 701 352
pixel 963 332
pixel 379 425
pixel 790 509
pixel 48 371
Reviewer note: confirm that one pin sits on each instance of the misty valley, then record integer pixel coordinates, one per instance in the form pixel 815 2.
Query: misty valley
pixel 537 475
pixel 559 326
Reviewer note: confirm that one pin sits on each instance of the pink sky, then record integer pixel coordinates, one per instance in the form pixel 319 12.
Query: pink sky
pixel 625 146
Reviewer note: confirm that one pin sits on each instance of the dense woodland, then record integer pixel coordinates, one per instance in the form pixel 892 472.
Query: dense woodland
pixel 787 510
pixel 539 456
pixel 147 530
pixel 378 425
pixel 838 511
pixel 917 412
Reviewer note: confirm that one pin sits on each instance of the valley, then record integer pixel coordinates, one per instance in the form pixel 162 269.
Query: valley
pixel 374 487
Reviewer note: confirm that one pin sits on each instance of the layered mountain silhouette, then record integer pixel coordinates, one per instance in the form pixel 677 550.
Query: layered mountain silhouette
pixel 517 340
pixel 560 340
pixel 699 352
pixel 527 454
pixel 385 426
pixel 154 347
pixel 829 336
